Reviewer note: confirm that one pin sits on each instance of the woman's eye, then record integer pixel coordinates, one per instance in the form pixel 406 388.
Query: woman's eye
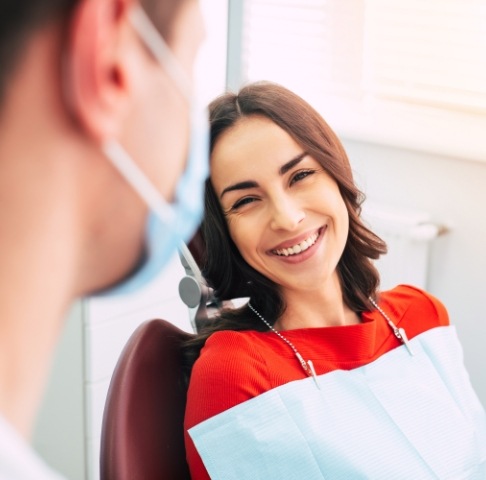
pixel 301 175
pixel 243 201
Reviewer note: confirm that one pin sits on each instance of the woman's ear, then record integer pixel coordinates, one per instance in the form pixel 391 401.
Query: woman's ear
pixel 97 83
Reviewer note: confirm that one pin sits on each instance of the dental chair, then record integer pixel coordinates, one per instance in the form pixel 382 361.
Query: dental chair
pixel 142 430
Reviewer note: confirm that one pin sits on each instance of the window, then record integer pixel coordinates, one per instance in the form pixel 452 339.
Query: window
pixel 410 73
pixel 210 68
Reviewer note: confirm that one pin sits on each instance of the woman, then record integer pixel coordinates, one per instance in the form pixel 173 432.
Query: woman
pixel 319 375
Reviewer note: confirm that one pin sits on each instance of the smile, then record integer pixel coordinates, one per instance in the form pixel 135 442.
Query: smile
pixel 298 248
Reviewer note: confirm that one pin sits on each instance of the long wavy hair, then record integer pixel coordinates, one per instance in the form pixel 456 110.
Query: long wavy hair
pixel 224 268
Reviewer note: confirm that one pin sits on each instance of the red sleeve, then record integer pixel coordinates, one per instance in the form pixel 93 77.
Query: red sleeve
pixel 441 313
pixel 420 310
pixel 230 370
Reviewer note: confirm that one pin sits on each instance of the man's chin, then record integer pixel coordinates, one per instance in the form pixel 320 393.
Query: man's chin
pixel 116 283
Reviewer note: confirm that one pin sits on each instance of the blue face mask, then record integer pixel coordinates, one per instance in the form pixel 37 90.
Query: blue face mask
pixel 168 225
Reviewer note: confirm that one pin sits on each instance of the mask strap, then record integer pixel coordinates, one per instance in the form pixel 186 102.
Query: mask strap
pixel 159 49
pixel 135 177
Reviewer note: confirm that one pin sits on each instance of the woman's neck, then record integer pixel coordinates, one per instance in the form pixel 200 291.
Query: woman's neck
pixel 317 308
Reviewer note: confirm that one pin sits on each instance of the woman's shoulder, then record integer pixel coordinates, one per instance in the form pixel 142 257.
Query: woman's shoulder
pixel 407 301
pixel 231 357
pixel 233 343
pixel 230 370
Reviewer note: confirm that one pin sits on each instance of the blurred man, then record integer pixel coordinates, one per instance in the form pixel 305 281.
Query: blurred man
pixel 95 112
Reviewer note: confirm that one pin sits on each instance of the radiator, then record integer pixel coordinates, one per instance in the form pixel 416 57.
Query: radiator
pixel 409 235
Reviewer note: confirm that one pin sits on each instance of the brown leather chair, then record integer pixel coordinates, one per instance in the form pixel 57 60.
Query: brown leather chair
pixel 142 433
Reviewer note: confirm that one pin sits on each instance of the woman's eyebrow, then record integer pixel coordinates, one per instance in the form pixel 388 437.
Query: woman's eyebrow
pixel 291 163
pixel 247 184
pixel 239 186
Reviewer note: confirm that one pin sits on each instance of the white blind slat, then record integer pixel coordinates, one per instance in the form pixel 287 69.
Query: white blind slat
pixel 426 52
pixel 292 43
pixel 430 52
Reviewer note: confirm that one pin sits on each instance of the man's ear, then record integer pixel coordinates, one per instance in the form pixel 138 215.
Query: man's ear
pixel 96 65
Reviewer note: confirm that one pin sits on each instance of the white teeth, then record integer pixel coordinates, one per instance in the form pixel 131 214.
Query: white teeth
pixel 300 247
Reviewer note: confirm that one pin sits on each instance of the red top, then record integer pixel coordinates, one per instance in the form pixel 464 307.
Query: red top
pixel 237 366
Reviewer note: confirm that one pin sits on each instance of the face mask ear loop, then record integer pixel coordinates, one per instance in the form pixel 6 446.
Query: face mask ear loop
pixel 113 150
pixel 159 49
pixel 135 177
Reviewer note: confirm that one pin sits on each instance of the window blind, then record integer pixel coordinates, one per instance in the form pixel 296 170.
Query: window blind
pixel 368 65
pixel 427 51
pixel 310 46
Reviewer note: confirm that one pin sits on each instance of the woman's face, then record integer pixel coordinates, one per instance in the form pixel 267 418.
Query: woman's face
pixel 285 214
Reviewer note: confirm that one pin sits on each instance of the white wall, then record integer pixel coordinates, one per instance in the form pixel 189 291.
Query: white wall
pixel 59 431
pixel 454 192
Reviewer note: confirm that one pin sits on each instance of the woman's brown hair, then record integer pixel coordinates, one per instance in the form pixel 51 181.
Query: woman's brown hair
pixel 224 268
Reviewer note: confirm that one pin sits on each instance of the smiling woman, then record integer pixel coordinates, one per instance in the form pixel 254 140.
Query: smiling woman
pixel 282 226
pixel 282 213
pixel 270 127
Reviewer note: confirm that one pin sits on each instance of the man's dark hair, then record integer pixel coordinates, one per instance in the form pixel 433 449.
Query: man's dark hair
pixel 20 18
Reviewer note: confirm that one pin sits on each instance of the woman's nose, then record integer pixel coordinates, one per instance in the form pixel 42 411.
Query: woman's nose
pixel 286 214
